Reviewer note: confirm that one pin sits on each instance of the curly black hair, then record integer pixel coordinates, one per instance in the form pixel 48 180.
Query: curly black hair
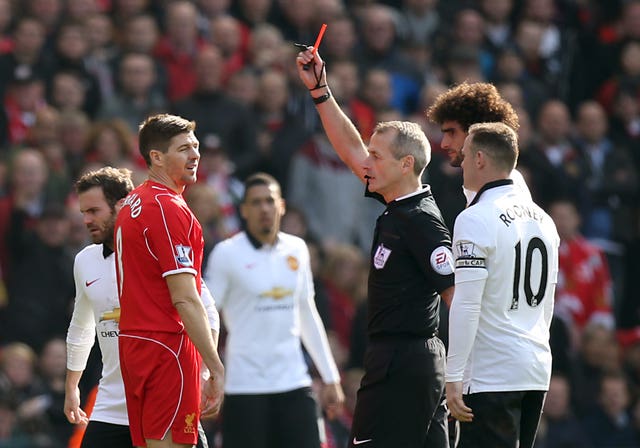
pixel 473 103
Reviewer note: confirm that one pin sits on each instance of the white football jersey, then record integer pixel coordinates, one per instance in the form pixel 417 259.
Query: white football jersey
pixel 266 296
pixel 499 340
pixel 518 182
pixel 97 311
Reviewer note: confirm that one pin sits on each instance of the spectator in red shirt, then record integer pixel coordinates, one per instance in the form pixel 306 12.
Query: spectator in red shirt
pixel 583 294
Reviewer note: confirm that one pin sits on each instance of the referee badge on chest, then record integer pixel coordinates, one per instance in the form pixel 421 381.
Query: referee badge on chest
pixel 381 256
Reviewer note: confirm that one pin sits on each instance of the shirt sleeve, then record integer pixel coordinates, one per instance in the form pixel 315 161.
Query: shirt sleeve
pixel 169 236
pixel 82 329
pixel 210 306
pixel 216 276
pixel 470 249
pixel 312 332
pixel 430 245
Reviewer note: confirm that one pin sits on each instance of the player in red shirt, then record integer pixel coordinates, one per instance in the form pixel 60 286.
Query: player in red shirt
pixel 164 331
pixel 584 293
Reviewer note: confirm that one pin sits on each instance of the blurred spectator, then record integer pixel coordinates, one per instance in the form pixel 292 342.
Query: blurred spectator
pixel 209 11
pixel 81 10
pixel 510 67
pixel 72 51
pixel 52 365
pixel 137 96
pixel 345 82
pixel 25 96
pixel 611 188
pixel 123 10
pixel 556 167
pixel 229 36
pixel 27 58
pixel 418 22
pixel 47 12
pixel 38 310
pixel 583 293
pixel 110 143
pixel 596 355
pixel 469 33
pixel 252 12
pixel 178 49
pixel 202 199
pixel 380 50
pixel 376 91
pixel 102 51
pixel 296 20
pixel 316 174
pixel 68 91
pixel 625 123
pixel 73 130
pixel 6 17
pixel 558 53
pixel 216 170
pixel 610 423
pixel 264 48
pixel 559 428
pixel 27 195
pixel 243 87
pixel 498 29
pixel 340 41
pixel 341 277
pixel 280 134
pixel 462 64
pixel 627 76
pixel 139 34
pixel 218 116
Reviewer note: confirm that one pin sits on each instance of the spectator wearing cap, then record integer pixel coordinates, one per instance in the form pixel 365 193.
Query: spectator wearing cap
pixel 24 98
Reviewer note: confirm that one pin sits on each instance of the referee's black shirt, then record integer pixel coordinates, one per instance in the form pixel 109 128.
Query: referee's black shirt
pixel 403 282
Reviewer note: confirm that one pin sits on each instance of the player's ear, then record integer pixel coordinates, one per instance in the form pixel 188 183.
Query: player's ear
pixel 118 205
pixel 155 156
pixel 407 162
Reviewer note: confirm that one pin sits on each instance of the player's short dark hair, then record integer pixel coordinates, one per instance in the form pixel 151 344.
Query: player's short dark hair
pixel 467 104
pixel 260 179
pixel 157 130
pixel 115 183
pixel 498 141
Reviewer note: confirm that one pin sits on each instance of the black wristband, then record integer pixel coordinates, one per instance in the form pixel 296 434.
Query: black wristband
pixel 321 99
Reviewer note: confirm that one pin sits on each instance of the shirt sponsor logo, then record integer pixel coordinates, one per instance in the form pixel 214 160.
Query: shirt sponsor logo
pixel 109 334
pixel 277 293
pixel 183 255
pixel 381 256
pixel 442 260
pixel 114 314
pixel 293 263
pixel 470 263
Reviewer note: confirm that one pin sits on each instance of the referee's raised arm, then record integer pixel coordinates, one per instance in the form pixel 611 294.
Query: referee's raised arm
pixel 342 134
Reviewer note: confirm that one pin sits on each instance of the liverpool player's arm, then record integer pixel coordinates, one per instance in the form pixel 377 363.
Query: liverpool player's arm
pixel 187 301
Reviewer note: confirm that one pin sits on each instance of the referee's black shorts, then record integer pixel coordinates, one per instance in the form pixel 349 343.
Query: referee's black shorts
pixel 502 419
pixel 400 402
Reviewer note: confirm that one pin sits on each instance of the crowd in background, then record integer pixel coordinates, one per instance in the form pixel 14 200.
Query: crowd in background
pixel 78 76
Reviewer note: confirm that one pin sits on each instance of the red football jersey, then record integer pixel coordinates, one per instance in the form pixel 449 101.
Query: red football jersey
pixel 584 285
pixel 156 235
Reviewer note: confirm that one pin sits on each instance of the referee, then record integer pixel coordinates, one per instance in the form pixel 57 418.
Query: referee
pixel 400 400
